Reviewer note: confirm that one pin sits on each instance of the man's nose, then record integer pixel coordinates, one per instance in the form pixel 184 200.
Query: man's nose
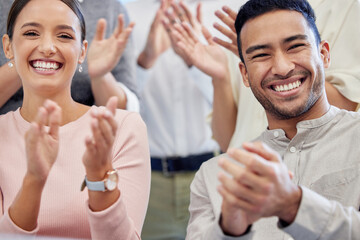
pixel 282 64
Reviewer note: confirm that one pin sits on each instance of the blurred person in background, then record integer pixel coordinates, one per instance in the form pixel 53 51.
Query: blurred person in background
pixel 176 99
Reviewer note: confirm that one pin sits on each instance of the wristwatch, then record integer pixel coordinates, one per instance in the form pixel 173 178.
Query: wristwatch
pixel 109 183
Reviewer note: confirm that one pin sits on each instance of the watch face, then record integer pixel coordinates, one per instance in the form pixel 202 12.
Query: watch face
pixel 111 181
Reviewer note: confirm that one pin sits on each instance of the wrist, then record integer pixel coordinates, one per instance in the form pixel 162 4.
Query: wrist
pixel 97 174
pixel 145 61
pixel 98 78
pixel 230 228
pixel 289 213
pixel 221 80
pixel 33 181
pixel 108 183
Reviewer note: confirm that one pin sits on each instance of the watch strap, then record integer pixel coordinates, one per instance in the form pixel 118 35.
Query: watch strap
pixel 95 186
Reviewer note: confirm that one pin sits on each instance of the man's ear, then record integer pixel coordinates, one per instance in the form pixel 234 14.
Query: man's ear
pixel 83 52
pixel 244 74
pixel 325 53
pixel 7 47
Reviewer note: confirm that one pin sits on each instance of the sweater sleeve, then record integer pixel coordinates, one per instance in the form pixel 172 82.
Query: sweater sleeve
pixel 8 227
pixel 124 219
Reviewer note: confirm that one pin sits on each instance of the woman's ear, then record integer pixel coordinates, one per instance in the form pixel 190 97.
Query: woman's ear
pixel 244 74
pixel 7 47
pixel 325 53
pixel 83 52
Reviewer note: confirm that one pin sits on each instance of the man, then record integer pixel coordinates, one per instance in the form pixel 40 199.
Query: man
pixel 337 23
pixel 283 63
pixel 235 108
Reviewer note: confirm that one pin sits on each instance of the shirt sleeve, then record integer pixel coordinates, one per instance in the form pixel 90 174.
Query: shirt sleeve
pixel 344 71
pixel 203 223
pixel 321 219
pixel 124 219
pixel 132 103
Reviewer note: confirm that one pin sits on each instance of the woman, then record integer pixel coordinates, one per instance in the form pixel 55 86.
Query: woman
pixel 64 140
pixel 96 82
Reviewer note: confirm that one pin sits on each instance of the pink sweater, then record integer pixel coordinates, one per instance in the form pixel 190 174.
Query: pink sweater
pixel 64 211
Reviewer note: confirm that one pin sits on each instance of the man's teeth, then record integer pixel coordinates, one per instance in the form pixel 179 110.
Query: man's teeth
pixel 287 87
pixel 42 66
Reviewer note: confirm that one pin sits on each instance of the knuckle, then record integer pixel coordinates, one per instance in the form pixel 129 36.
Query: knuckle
pixel 261 200
pixel 252 163
pixel 273 173
pixel 240 177
pixel 267 188
pixel 257 209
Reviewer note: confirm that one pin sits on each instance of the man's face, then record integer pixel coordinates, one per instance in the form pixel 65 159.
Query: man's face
pixel 283 64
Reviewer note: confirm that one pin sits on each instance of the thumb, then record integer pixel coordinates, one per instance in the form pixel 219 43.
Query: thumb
pixel 112 104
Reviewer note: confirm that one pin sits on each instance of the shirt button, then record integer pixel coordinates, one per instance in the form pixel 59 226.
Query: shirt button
pixel 276 134
pixel 293 149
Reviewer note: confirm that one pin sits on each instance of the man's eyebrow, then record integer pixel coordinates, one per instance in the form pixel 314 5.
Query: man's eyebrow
pixel 296 37
pixel 256 47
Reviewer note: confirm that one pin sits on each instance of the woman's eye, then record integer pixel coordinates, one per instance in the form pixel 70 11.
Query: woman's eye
pixel 66 36
pixel 30 34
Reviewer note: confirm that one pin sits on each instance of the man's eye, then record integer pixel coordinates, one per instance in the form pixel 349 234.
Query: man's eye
pixel 296 46
pixel 260 55
pixel 30 34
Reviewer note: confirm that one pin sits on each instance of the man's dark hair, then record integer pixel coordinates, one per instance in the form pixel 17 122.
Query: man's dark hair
pixel 255 8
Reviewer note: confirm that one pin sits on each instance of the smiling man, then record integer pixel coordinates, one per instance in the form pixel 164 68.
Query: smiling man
pixel 300 177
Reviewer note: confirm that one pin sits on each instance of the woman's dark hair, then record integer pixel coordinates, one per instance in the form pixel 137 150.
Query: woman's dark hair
pixel 18 5
pixel 255 8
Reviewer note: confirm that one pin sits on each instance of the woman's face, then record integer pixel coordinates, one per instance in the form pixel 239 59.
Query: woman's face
pixel 46 45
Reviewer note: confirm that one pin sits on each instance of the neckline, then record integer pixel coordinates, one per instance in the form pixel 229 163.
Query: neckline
pixel 24 125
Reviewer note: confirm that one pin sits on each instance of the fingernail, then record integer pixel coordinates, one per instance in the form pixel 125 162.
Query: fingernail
pixel 221 161
pixel 107 113
pixel 95 122
pixel 216 24
pixel 230 151
pixel 95 111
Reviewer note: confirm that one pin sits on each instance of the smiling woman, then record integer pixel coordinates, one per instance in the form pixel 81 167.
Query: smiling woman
pixel 66 143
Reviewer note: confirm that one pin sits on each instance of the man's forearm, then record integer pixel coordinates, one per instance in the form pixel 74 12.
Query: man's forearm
pixel 337 99
pixel 224 113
